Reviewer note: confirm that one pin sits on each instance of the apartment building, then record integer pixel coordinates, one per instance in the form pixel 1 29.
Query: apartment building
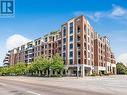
pixel 78 46
pixel 6 60
pixel 104 59
pixel 52 43
pixel 12 58
pixel 82 49
pixel 47 45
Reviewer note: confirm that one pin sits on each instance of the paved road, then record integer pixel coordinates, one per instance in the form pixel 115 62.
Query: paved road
pixel 106 85
pixel 12 87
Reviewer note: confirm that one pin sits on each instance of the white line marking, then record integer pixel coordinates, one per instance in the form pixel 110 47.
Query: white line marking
pixel 33 93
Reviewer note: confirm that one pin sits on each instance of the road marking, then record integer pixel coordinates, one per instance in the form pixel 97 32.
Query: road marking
pixel 33 93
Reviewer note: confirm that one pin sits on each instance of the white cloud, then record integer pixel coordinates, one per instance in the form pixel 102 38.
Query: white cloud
pixel 95 16
pixel 122 58
pixel 15 41
pixel 117 12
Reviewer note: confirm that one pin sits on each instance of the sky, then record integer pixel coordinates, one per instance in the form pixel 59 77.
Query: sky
pixel 35 18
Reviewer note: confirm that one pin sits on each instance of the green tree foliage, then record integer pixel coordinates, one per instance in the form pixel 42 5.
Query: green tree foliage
pixel 121 68
pixel 57 63
pixel 41 66
pixel 20 68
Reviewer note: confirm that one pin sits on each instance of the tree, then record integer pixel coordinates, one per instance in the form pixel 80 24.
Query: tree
pixel 30 69
pixel 20 68
pixel 121 68
pixel 41 65
pixel 57 63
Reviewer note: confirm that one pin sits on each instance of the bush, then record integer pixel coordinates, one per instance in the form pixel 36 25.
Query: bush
pixel 94 74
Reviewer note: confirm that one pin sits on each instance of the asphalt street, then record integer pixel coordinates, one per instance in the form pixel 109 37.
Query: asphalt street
pixel 105 85
pixel 12 87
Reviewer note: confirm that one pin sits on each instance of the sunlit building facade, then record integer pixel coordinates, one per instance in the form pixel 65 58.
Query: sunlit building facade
pixel 82 49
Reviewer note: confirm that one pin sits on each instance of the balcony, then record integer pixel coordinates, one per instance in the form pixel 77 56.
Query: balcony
pixel 78 39
pixel 78 46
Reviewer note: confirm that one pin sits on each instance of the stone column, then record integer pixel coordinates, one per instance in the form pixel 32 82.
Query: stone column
pixel 82 71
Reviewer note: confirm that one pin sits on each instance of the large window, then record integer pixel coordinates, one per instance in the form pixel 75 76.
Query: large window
pixel 71 61
pixel 79 30
pixel 71 38
pixel 71 53
pixel 71 27
pixel 71 46
pixel 64 31
pixel 64 47
pixel 78 53
pixel 39 42
pixel 64 40
pixel 79 61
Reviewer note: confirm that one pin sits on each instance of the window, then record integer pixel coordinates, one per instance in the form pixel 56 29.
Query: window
pixel 78 53
pixel 88 39
pixel 78 45
pixel 88 47
pixel 88 54
pixel 45 46
pixel 85 45
pixel 79 62
pixel 71 53
pixel 64 40
pixel 36 43
pixel 64 55
pixel 79 30
pixel 88 31
pixel 30 45
pixel 78 38
pixel 85 37
pixel 71 61
pixel 49 45
pixel 64 31
pixel 85 54
pixel 88 62
pixel 46 39
pixel 39 42
pixel 71 27
pixel 71 46
pixel 64 47
pixel 71 38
